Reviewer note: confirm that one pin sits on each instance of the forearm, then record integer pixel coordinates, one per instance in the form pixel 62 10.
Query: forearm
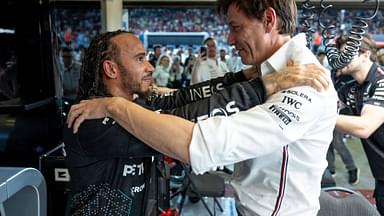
pixel 237 97
pixel 167 134
pixel 353 125
pixel 195 92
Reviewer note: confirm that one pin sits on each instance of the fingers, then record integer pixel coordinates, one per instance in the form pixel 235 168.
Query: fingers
pixel 77 114
pixel 320 82
pixel 316 84
pixel 321 78
pixel 317 76
pixel 73 113
pixel 325 81
pixel 78 122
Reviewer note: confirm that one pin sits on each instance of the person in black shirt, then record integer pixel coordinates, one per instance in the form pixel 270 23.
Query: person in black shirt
pixel 155 55
pixel 365 99
pixel 110 169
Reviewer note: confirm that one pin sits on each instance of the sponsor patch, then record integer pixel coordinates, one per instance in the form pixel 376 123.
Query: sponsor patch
pixel 204 91
pixel 62 175
pixel 280 114
pixel 300 94
pixel 292 102
pixel 134 169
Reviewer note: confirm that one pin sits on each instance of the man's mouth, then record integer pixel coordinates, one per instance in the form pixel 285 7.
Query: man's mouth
pixel 147 78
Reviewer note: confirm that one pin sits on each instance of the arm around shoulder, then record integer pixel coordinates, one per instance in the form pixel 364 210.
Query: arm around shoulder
pixel 168 134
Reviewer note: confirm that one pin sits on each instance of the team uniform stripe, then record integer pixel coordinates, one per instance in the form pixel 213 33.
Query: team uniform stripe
pixel 283 179
pixel 380 71
pixel 379 93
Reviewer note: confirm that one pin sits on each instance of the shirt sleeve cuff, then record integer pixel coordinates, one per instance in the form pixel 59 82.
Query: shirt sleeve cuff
pixel 197 152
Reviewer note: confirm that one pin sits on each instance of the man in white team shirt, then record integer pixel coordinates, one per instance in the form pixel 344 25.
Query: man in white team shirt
pixel 279 147
pixel 207 65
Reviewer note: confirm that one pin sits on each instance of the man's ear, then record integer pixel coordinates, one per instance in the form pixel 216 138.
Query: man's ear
pixel 367 54
pixel 270 19
pixel 110 69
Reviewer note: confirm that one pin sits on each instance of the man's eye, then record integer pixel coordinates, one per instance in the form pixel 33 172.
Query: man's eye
pixel 235 28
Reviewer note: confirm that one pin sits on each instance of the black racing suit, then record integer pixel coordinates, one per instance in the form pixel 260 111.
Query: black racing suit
pixel 110 169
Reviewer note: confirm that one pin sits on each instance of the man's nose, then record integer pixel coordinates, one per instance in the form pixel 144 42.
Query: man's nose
pixel 149 67
pixel 231 39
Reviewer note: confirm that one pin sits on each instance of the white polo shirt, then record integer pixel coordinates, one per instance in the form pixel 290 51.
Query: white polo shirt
pixel 279 147
pixel 206 70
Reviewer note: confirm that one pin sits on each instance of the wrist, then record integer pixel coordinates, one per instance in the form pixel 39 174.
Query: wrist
pixel 111 106
pixel 270 85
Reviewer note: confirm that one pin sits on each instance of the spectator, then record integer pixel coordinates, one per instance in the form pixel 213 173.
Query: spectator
pixel 154 57
pixel 70 74
pixel 176 72
pixel 161 74
pixel 206 67
pixel 223 61
pixel 234 62
pixel 188 66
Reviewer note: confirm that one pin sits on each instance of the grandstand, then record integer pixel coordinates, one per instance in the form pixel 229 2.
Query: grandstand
pixel 87 22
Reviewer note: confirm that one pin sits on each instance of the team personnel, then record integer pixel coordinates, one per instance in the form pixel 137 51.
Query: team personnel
pixel 279 147
pixel 365 98
pixel 110 169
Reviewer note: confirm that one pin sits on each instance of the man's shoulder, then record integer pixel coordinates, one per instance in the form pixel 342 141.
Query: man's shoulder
pixel 93 128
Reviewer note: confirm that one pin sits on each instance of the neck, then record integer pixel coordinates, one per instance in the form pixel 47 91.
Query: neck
pixel 276 42
pixel 361 75
pixel 115 91
pixel 279 41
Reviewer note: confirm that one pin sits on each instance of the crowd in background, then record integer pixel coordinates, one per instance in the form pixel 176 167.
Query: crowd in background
pixel 84 24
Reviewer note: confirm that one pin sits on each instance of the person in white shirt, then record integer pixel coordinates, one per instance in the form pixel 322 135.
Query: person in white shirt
pixel 234 62
pixel 161 74
pixel 223 61
pixel 279 147
pixel 207 66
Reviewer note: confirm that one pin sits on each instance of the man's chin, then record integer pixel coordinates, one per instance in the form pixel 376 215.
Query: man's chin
pixel 244 58
pixel 146 93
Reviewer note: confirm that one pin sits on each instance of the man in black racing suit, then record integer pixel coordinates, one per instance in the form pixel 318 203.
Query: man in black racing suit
pixel 110 169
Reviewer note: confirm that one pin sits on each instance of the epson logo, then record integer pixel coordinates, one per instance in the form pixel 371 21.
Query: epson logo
pixel 62 175
pixel 229 109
